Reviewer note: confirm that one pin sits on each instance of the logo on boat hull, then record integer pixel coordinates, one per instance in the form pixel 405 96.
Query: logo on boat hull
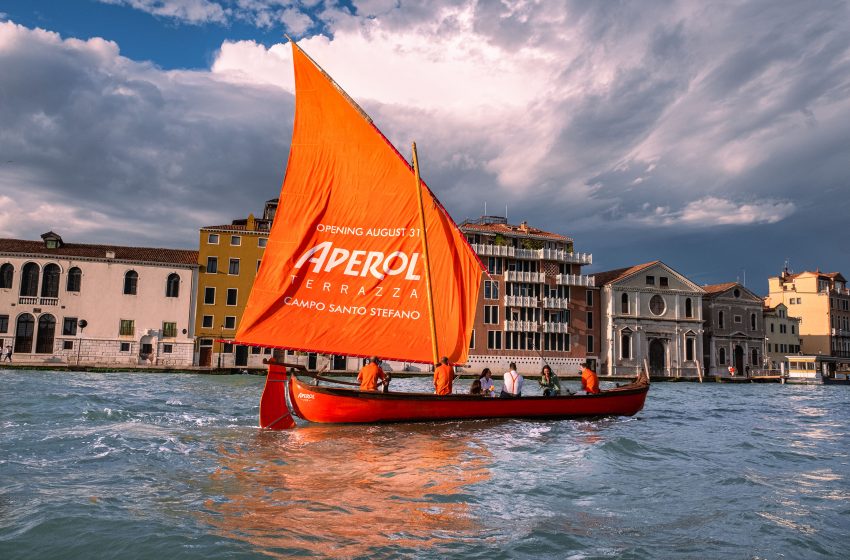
pixel 306 396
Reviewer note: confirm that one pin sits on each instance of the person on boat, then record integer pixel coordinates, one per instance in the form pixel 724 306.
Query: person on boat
pixel 589 381
pixel 488 388
pixel 370 374
pixel 475 388
pixel 444 374
pixel 512 386
pixel 549 382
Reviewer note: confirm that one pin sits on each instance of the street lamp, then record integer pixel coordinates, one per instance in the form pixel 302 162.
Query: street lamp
pixel 82 323
pixel 220 344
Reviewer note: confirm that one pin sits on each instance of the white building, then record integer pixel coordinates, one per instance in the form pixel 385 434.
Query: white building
pixel 67 303
pixel 651 319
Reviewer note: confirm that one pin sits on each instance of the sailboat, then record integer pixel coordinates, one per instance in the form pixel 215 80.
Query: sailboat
pixel 362 260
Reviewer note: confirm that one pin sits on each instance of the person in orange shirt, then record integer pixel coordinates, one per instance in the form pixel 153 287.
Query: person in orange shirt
pixel 589 381
pixel 444 374
pixel 370 374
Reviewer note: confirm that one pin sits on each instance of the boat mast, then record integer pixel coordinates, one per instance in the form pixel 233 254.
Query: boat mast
pixel 424 238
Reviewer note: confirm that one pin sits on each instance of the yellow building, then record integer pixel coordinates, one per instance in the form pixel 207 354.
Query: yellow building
pixel 228 258
pixel 822 302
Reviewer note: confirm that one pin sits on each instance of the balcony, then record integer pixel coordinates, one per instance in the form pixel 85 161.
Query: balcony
pixel 555 327
pixel 840 332
pixel 559 255
pixel 27 300
pixel 563 256
pixel 520 301
pixel 488 250
pixel 556 303
pixel 48 301
pixel 521 326
pixel 576 280
pixel 514 276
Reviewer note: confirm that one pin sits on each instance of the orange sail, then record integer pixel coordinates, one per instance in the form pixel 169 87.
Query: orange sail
pixel 343 272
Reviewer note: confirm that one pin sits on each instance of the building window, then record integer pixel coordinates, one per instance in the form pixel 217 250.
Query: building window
pixel 233 268
pixel 793 329
pixel 212 239
pixel 650 280
pixel 589 297
pixel 228 348
pixel 212 265
pixel 69 326
pixel 172 285
pixel 50 281
pixel 472 340
pixel 624 304
pixel 235 240
pixel 46 333
pixel 689 349
pixel 24 328
pixel 689 308
pixel 7 274
pixel 231 296
pixel 491 314
pixel 256 350
pixel 127 327
pixel 131 282
pixel 663 281
pixel 738 319
pixel 4 323
pixel 721 320
pixel 590 349
pixel 755 357
pixel 721 356
pixel 769 347
pixel 590 319
pixel 125 347
pixel 75 278
pixel 67 345
pixel 167 348
pixel 491 289
pixel 230 322
pixel 626 345
pixel 771 327
pixel 262 242
pixel 207 321
pixel 29 281
pixel 494 265
pixel 736 292
pixel 169 330
pixel 753 325
pixel 259 262
pixel 494 340
pixel 657 305
pixel 209 295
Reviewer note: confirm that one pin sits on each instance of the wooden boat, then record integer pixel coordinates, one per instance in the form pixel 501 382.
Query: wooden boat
pixel 363 260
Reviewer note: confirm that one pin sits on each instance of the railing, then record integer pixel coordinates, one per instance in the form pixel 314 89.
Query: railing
pixel 520 301
pixel 514 276
pixel 48 301
pixel 521 326
pixel 532 254
pixel 564 256
pixel 26 300
pixel 556 303
pixel 555 327
pixel 840 354
pixel 576 280
pixel 494 250
pixel 840 332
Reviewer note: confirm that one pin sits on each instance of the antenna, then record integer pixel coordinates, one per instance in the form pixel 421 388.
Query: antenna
pixel 506 212
pixel 485 207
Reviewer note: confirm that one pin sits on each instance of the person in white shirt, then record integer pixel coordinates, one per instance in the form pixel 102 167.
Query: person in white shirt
pixel 512 386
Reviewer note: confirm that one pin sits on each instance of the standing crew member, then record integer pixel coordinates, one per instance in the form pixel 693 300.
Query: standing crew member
pixel 370 374
pixel 444 374
pixel 589 381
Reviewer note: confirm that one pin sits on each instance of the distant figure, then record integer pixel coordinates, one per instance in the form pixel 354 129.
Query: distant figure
pixel 732 371
pixel 589 381
pixel 549 382
pixel 8 354
pixel 488 388
pixel 370 374
pixel 444 374
pixel 512 386
pixel 475 388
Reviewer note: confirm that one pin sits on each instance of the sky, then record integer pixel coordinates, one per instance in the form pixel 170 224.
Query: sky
pixel 714 136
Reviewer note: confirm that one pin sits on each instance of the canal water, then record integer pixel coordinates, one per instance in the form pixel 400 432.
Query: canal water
pixel 172 466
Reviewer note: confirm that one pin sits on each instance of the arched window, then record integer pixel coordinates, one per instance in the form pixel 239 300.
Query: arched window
pixel 46 332
pixel 29 280
pixel 50 281
pixel 23 333
pixel 720 321
pixel 755 357
pixel 624 304
pixel 75 278
pixel 131 282
pixel 689 308
pixel 753 321
pixel 721 354
pixel 626 345
pixel 7 273
pixel 172 285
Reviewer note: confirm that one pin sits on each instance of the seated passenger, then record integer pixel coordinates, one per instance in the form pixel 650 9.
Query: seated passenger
pixel 549 382
pixel 512 386
pixel 488 388
pixel 475 388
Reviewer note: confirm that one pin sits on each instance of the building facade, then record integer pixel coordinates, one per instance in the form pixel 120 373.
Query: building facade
pixel 821 301
pixel 535 305
pixel 734 329
pixel 782 337
pixel 651 320
pixel 68 303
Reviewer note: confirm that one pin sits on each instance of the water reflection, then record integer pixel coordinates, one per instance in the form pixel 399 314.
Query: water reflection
pixel 401 486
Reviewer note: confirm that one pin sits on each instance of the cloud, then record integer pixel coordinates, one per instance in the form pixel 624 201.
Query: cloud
pixel 188 11
pixel 712 211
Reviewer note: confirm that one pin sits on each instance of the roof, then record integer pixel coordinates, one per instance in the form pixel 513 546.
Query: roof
pixel 142 254
pixel 609 276
pixel 718 288
pixel 833 275
pixel 510 229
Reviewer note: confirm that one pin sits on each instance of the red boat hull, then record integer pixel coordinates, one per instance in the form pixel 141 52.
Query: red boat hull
pixel 325 404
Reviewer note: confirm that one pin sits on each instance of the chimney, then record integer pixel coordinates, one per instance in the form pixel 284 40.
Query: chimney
pixel 524 227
